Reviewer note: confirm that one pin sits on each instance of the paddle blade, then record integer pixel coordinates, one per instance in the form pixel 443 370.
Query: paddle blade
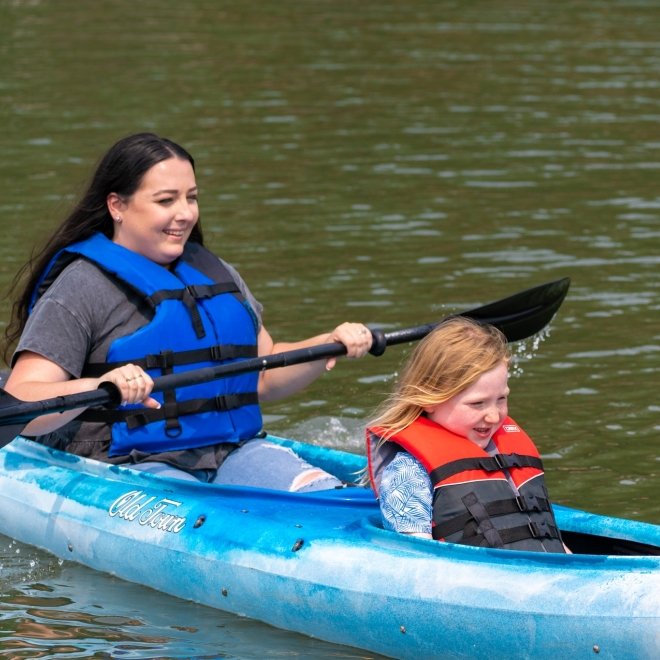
pixel 518 316
pixel 10 427
pixel 525 313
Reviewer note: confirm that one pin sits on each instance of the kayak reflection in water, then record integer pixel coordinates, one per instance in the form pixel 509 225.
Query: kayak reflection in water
pixel 445 459
pixel 125 291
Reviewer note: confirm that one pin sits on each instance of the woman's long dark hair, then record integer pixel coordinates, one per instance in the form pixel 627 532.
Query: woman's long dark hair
pixel 120 171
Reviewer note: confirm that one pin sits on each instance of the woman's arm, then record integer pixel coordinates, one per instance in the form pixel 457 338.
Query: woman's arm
pixel 277 384
pixel 35 377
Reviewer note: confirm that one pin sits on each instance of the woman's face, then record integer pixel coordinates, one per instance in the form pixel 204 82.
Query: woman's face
pixel 478 411
pixel 157 219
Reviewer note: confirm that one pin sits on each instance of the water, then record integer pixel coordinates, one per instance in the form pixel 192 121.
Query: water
pixel 69 611
pixel 384 162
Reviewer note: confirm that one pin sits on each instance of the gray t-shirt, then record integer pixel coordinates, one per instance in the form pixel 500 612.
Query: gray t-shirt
pixel 75 322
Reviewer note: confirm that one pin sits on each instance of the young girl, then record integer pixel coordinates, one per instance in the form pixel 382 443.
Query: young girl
pixel 445 460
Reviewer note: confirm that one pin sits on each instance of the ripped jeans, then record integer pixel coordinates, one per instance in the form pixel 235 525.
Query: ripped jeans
pixel 258 463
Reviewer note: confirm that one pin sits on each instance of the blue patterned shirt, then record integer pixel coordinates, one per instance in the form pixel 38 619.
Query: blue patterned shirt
pixel 406 496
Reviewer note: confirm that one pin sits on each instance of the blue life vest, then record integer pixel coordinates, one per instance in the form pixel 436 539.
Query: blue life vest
pixel 200 319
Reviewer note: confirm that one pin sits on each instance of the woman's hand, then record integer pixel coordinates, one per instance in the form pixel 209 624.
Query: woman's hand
pixel 134 383
pixel 355 336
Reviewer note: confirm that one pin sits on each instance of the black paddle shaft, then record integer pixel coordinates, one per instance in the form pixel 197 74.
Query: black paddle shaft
pixel 518 316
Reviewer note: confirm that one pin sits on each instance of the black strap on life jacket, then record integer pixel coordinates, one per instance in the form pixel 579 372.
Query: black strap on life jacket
pixel 172 424
pixel 520 503
pixel 531 530
pixel 478 512
pixel 478 528
pixel 136 418
pixel 189 297
pixel 167 360
pixel 486 463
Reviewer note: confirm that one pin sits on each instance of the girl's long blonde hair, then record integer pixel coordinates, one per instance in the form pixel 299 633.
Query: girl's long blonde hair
pixel 447 361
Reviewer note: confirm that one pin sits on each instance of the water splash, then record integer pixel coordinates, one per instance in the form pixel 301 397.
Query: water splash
pixel 21 563
pixel 335 432
pixel 525 350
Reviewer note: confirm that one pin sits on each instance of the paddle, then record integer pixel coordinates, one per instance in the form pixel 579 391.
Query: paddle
pixel 518 316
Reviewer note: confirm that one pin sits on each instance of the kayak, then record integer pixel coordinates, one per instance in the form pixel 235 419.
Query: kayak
pixel 322 565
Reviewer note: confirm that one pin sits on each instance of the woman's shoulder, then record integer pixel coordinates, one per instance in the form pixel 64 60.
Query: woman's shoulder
pixel 79 270
pixel 91 298
pixel 244 289
pixel 82 281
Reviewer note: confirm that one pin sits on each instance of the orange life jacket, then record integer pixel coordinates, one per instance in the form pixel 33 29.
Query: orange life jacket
pixel 495 500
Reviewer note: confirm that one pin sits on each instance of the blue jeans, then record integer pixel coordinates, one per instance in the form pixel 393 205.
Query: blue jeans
pixel 258 463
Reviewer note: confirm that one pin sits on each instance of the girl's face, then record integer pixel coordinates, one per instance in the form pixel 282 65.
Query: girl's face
pixel 157 219
pixel 478 411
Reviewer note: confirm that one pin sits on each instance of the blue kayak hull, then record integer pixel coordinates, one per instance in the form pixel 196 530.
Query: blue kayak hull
pixel 321 565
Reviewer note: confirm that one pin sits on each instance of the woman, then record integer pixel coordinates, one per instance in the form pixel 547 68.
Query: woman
pixel 444 457
pixel 124 290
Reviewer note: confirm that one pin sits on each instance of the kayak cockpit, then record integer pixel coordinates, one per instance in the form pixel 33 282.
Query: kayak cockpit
pixel 581 543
